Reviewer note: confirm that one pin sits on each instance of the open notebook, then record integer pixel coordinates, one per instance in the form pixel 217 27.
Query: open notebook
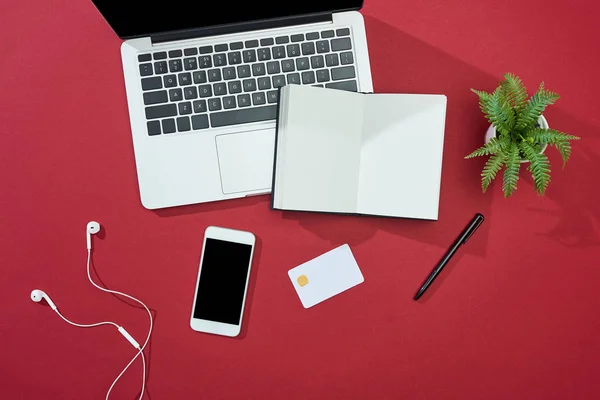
pixel 357 153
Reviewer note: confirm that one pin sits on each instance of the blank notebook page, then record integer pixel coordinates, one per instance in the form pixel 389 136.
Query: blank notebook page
pixel 318 150
pixel 401 157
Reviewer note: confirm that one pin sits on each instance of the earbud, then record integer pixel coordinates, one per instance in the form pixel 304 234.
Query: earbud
pixel 37 296
pixel 92 228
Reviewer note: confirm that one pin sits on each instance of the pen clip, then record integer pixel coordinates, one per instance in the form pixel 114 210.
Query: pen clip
pixel 474 228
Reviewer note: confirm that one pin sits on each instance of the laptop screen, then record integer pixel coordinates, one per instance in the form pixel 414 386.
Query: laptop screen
pixel 135 18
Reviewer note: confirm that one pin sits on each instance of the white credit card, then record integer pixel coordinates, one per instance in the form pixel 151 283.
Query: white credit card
pixel 325 276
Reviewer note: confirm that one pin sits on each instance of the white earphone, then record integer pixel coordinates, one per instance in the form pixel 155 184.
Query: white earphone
pixel 37 295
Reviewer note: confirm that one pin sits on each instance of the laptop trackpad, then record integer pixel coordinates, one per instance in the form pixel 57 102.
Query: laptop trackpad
pixel 246 161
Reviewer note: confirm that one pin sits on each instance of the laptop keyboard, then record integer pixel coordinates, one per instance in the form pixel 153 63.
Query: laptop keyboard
pixel 197 88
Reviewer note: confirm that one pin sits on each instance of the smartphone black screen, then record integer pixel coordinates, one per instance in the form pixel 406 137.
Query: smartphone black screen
pixel 222 284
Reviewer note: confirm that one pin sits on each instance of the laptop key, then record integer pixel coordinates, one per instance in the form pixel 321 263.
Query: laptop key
pixel 343 32
pixel 273 67
pixel 220 89
pixel 302 64
pixel 341 44
pixel 249 85
pixel 282 40
pixel 200 121
pixel 219 60
pixel 308 48
pixel 323 75
pixel 249 56
pixel 297 38
pixel 244 71
pixel 236 46
pixel 251 43
pixel 151 83
pixel 323 46
pixel 175 66
pixel 205 91
pixel 278 52
pixel 332 60
pixel 293 50
pixel 160 55
pixel 234 117
pixel 278 81
pixel 346 85
pixel 312 36
pixel 168 125
pixel 264 54
pixel 308 78
pixel 258 99
pixel 287 66
pixel 191 51
pixel 205 61
pixel 267 42
pixel 175 53
pixel 206 49
pixel 155 97
pixel 190 64
pixel 146 69
pixel 272 96
pixel 170 81
pixel 317 62
pixel 162 111
pixel 229 102
pixel 221 47
pixel 185 108
pixel 153 128
pixel 327 34
pixel 214 104
pixel 185 79
pixel 244 100
pixel 338 74
pixel 235 58
pixel 200 106
pixel 144 58
pixel 214 75
pixel 235 87
pixel 293 79
pixel 229 73
pixel 175 94
pixel 190 93
pixel 264 83
pixel 199 77
pixel 258 69
pixel 183 124
pixel 346 58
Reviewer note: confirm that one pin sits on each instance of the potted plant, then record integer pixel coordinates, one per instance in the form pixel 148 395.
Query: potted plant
pixel 519 134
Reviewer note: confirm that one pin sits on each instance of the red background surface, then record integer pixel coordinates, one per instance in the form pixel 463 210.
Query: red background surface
pixel 516 314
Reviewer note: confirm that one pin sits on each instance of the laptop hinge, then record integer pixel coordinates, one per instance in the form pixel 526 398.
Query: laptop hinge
pixel 241 27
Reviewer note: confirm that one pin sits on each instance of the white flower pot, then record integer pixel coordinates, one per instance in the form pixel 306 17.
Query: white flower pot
pixel 491 132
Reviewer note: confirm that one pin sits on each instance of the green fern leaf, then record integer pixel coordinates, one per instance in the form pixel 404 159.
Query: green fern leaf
pixel 511 170
pixel 516 93
pixel 492 166
pixel 556 138
pixel 529 115
pixel 484 99
pixel 498 112
pixel 539 167
pixel 491 147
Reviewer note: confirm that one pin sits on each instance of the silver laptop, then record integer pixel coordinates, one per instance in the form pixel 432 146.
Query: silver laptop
pixel 202 80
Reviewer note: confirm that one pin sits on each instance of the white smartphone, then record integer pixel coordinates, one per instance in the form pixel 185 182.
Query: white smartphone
pixel 222 281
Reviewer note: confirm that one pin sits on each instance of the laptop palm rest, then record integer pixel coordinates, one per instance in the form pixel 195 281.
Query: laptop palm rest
pixel 246 161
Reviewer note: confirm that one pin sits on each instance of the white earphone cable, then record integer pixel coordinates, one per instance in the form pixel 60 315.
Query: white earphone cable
pixel 141 349
pixel 86 325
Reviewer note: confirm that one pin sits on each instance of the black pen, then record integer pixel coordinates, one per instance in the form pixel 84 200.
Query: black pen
pixel 462 239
